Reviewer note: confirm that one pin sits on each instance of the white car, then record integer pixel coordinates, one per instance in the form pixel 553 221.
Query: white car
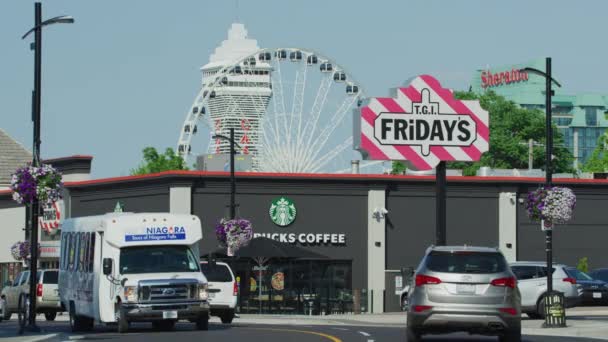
pixel 223 290
pixel 403 301
pixel 532 283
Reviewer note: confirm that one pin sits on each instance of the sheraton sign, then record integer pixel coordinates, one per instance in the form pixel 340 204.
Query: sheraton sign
pixel 489 79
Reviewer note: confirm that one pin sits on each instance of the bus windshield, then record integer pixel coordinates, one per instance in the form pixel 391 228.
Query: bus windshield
pixel 157 259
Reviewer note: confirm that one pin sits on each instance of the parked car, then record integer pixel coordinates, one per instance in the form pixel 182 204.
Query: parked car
pixel 600 274
pixel 462 288
pixel 403 297
pixel 595 292
pixel 223 290
pixel 532 283
pixel 47 294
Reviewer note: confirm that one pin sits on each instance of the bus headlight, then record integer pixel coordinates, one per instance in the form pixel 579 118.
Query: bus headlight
pixel 131 293
pixel 202 292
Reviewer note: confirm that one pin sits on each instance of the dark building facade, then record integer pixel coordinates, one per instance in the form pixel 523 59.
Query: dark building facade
pixel 340 217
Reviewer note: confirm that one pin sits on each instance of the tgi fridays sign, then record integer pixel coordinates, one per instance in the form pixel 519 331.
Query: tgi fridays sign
pixel 423 124
pixel 51 217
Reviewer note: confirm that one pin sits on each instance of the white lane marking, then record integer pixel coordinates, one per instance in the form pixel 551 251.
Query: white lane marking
pixel 370 340
pixel 342 329
pixel 364 333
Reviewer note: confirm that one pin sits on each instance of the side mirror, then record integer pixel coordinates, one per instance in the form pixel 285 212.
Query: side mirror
pixel 107 266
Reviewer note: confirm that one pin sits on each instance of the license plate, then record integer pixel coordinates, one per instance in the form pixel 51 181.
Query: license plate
pixel 465 288
pixel 169 314
pixel 211 295
pixel 597 295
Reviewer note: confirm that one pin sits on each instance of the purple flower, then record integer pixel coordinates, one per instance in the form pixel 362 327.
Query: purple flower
pixel 552 204
pixel 234 233
pixel 36 183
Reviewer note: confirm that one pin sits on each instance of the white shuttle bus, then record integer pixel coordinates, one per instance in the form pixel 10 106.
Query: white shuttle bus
pixel 125 267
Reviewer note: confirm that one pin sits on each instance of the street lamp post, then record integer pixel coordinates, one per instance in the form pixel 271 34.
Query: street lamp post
pixel 232 177
pixel 548 161
pixel 36 106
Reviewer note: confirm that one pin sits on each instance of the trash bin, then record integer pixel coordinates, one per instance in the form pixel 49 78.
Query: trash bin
pixel 555 310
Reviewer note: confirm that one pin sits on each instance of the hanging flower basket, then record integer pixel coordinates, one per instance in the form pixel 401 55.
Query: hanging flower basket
pixel 234 234
pixel 551 205
pixel 21 250
pixel 32 183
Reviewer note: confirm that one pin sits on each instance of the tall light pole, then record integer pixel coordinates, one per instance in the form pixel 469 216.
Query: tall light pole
pixel 35 210
pixel 232 177
pixel 548 161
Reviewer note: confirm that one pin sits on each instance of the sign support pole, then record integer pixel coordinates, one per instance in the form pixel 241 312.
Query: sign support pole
pixel 440 204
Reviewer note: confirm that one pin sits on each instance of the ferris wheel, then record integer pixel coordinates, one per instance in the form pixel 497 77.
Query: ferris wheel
pixel 291 110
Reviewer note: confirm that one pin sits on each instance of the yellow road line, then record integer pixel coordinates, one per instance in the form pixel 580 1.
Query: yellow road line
pixel 329 337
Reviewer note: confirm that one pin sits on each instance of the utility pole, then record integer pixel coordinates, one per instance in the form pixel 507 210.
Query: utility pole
pixel 232 177
pixel 551 299
pixel 32 217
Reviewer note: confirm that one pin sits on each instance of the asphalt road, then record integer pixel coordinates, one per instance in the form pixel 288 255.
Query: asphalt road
pixel 253 332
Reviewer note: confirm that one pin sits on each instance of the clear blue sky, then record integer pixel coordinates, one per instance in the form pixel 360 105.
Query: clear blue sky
pixel 123 76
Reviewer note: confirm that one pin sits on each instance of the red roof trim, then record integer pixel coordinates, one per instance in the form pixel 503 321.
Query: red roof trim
pixel 321 176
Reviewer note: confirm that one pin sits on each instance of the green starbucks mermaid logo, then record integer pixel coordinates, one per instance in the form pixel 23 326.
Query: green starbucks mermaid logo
pixel 282 211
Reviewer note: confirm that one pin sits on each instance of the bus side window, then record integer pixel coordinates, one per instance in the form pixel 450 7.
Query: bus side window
pixel 91 252
pixel 61 251
pixel 72 251
pixel 85 249
pixel 82 251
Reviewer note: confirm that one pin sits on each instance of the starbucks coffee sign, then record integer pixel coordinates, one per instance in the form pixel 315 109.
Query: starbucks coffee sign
pixel 282 211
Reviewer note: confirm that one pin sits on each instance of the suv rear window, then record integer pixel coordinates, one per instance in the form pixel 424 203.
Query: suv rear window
pixel 576 274
pixel 217 273
pixel 466 262
pixel 50 277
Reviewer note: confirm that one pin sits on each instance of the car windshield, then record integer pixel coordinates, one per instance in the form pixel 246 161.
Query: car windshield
pixel 157 259
pixel 466 262
pixel 600 275
pixel 578 275
pixel 217 273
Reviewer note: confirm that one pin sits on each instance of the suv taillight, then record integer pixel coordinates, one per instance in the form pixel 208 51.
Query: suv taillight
pixel 507 282
pixel 39 290
pixel 235 289
pixel 422 279
pixel 570 280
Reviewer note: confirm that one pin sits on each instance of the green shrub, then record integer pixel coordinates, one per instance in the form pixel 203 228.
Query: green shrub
pixel 583 264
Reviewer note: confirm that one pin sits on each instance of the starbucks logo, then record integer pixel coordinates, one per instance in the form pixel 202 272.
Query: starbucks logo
pixel 282 211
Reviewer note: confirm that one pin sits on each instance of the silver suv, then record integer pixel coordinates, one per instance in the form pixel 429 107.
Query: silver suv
pixel 462 288
pixel 532 283
pixel 47 294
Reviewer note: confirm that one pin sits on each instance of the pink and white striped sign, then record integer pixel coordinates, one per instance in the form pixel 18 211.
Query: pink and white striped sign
pixel 423 124
pixel 50 219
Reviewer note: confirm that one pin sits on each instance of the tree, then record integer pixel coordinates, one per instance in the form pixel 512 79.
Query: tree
pixel 154 162
pixel 583 264
pixel 598 162
pixel 511 127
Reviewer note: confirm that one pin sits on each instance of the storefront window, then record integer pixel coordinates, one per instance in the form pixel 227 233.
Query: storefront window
pixel 294 286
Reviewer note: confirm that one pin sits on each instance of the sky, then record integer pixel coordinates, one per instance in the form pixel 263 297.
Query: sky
pixel 125 74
